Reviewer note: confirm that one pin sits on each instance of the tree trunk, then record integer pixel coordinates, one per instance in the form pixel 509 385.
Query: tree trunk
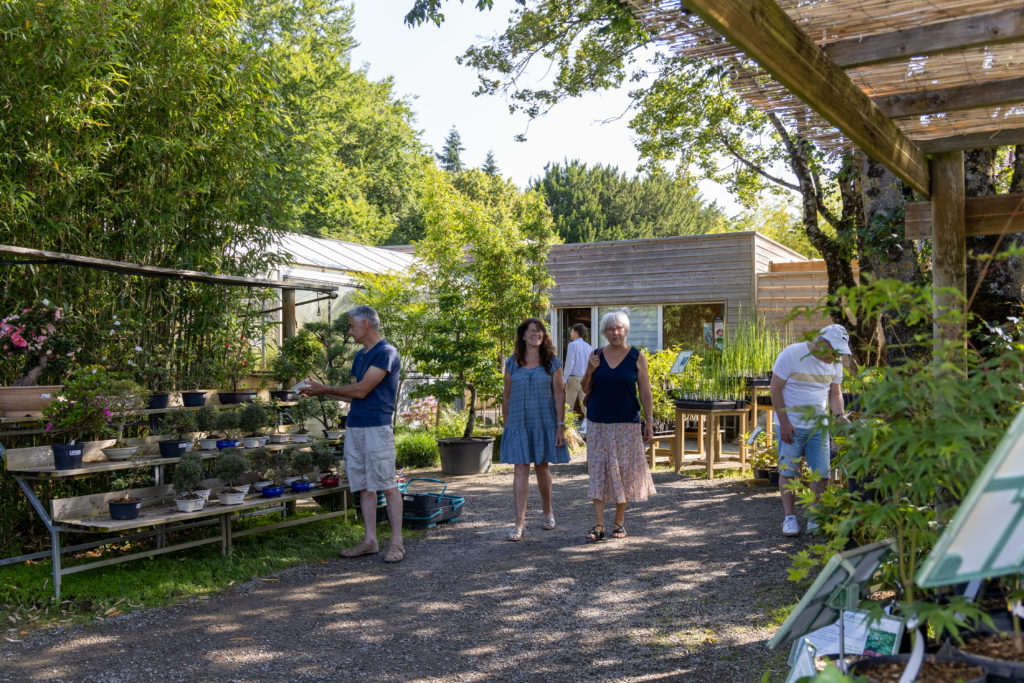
pixel 1002 281
pixel 471 420
pixel 885 251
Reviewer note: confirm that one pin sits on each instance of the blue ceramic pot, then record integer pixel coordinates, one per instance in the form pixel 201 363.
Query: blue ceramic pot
pixel 272 491
pixel 301 486
pixel 226 443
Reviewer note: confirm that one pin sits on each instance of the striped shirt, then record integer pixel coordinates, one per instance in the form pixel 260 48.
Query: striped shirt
pixel 807 382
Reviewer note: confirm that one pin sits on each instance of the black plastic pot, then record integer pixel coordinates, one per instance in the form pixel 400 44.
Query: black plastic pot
pixel 124 509
pixel 773 478
pixel 193 399
pixel 758 381
pixel 698 404
pixel 999 670
pixel 228 398
pixel 284 395
pixel 173 448
pixel 764 400
pixel 158 401
pixel 466 456
pixel 66 456
pixel 760 473
pixel 863 667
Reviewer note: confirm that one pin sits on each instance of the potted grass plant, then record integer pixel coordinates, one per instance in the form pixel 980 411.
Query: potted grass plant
pixel 186 477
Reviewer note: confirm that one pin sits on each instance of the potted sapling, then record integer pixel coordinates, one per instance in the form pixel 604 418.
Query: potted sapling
pixel 227 427
pixel 325 457
pixel 206 423
pixel 128 506
pixel 298 357
pixel 260 462
pixel 187 474
pixel 305 409
pixel 301 464
pixel 231 468
pixel 177 423
pixel 278 463
pixel 126 401
pixel 327 412
pixel 276 436
pixel 253 420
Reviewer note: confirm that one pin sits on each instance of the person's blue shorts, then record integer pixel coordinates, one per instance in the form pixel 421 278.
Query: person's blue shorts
pixel 808 443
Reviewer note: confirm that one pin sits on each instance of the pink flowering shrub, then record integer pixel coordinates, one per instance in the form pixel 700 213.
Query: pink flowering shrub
pixel 33 341
pixel 421 414
pixel 82 409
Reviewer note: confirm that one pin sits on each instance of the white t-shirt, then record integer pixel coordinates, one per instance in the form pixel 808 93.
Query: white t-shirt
pixel 807 382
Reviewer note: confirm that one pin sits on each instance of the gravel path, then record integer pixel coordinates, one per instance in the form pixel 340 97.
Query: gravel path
pixel 688 596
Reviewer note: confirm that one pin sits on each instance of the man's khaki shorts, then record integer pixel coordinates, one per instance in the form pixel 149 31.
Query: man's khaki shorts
pixel 370 458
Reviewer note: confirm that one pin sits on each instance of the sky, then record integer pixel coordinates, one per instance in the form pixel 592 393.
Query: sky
pixel 422 63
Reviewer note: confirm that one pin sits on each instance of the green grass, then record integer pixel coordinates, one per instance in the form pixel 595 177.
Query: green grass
pixel 26 590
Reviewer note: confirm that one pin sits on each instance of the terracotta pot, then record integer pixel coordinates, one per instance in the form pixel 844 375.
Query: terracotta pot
pixel 27 401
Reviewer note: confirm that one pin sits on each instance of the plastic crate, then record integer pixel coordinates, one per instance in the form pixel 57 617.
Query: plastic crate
pixel 428 509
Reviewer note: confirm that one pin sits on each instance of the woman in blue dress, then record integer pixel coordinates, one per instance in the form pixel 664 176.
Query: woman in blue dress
pixel 533 409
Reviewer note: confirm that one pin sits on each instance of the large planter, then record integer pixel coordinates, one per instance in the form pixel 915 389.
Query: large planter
pixel 466 456
pixel 67 456
pixel 865 667
pixel 158 401
pixel 187 504
pixel 231 496
pixel 999 670
pixel 193 399
pixel 27 401
pixel 685 404
pixel 301 486
pixel 284 395
pixel 124 509
pixel 174 448
pixel 228 398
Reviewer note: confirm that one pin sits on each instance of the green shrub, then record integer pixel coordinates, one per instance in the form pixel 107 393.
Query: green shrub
pixel 416 450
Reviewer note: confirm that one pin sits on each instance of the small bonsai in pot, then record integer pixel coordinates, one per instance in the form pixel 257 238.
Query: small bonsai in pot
pixel 305 409
pixel 298 357
pixel 187 474
pixel 227 427
pixel 327 412
pixel 128 506
pixel 206 424
pixel 277 468
pixel 325 457
pixel 260 463
pixel 176 423
pixel 301 464
pixel 253 420
pixel 126 401
pixel 231 468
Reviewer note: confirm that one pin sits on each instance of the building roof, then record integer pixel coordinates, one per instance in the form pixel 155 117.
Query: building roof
pixel 345 256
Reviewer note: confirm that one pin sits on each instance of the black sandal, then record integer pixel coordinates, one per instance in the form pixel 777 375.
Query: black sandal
pixel 594 534
pixel 619 530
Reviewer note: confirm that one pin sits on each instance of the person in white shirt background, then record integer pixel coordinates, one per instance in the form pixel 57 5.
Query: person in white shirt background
pixel 576 358
pixel 807 375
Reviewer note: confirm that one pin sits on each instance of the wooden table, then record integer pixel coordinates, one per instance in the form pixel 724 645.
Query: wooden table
pixel 709 445
pixel 752 395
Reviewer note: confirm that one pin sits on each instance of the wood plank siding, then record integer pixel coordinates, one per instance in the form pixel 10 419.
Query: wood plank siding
pixel 697 269
pixel 791 284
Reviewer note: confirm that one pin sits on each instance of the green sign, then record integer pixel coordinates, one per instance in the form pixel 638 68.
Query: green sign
pixel 985 538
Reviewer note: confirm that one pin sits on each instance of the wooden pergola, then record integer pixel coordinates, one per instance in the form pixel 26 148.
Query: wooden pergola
pixel 913 84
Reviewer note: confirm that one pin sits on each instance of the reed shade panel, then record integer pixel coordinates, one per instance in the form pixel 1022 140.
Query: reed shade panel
pixel 980 49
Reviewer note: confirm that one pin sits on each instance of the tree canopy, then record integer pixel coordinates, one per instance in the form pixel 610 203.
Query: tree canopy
pixel 598 203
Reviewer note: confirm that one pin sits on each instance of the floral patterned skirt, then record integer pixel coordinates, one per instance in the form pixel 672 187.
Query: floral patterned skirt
pixel 617 464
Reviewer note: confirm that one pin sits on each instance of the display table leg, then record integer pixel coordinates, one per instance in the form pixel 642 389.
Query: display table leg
pixel 677 445
pixel 743 442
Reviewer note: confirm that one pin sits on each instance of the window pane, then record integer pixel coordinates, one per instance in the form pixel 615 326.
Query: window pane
pixel 684 324
pixel 643 325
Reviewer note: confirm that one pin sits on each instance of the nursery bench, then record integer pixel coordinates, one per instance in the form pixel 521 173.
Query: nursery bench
pixel 709 440
pixel 157 517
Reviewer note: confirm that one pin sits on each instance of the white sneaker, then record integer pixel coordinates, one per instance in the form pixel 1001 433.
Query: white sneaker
pixel 790 527
pixel 812 526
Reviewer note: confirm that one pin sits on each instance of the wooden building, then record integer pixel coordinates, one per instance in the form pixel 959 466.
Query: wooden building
pixel 672 287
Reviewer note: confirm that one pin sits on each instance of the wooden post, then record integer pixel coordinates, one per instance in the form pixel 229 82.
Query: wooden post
pixel 287 314
pixel 949 249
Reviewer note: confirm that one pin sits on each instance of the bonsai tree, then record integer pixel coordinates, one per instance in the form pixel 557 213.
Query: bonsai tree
pixel 132 477
pixel 299 356
pixel 324 410
pixel 324 456
pixel 178 422
pixel 305 409
pixel 301 463
pixel 227 423
pixel 231 467
pixel 278 463
pixel 126 401
pixel 259 460
pixel 81 409
pixel 187 474
pixel 206 419
pixel 254 418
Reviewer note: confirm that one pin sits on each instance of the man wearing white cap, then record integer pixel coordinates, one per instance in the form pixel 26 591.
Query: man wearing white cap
pixel 806 382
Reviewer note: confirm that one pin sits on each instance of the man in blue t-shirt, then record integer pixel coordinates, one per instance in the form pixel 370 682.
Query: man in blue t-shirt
pixel 369 439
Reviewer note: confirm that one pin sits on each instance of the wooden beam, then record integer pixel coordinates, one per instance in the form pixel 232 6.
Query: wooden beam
pixel 287 315
pixel 985 29
pixel 28 256
pixel 991 215
pixel 949 248
pixel 767 34
pixel 999 138
pixel 1010 91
